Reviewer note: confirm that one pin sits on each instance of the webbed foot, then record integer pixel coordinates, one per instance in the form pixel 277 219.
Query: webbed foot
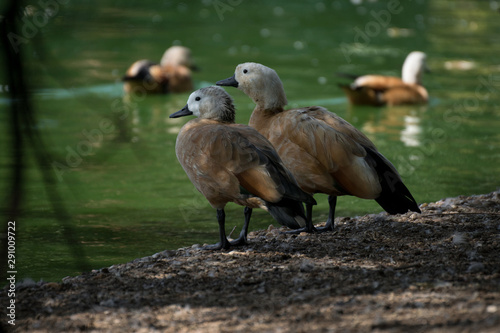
pixel 240 241
pixel 217 246
pixel 309 230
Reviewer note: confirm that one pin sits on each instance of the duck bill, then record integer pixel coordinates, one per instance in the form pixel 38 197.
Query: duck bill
pixel 229 82
pixel 181 113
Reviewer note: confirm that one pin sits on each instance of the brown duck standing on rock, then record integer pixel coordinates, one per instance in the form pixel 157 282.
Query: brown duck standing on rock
pixel 229 162
pixel 324 152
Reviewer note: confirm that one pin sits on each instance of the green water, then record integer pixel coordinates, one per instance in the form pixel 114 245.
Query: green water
pixel 114 159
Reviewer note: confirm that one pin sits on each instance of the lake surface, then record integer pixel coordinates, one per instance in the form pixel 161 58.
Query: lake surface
pixel 113 157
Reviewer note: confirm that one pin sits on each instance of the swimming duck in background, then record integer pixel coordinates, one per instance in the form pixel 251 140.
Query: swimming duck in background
pixel 324 152
pixel 229 162
pixel 171 75
pixel 381 90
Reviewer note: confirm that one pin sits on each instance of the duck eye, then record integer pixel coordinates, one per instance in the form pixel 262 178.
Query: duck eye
pixel 245 71
pixel 197 98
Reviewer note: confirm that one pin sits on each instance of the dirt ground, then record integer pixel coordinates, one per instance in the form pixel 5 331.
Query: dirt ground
pixel 438 271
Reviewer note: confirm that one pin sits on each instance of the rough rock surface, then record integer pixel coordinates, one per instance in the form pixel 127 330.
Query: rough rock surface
pixel 438 271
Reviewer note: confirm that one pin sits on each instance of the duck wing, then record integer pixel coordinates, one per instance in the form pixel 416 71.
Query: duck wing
pixel 322 157
pixel 225 157
pixel 377 82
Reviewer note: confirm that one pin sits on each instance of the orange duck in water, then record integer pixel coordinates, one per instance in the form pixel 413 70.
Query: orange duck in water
pixel 381 90
pixel 171 75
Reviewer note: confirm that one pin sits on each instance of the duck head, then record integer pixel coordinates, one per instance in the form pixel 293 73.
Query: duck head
pixel 178 56
pixel 209 103
pixel 413 67
pixel 262 84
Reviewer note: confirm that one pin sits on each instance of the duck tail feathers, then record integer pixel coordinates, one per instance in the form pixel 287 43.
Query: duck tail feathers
pixel 395 197
pixel 288 212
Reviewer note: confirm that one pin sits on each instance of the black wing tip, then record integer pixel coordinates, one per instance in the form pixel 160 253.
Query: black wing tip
pixel 395 197
pixel 398 202
pixel 286 211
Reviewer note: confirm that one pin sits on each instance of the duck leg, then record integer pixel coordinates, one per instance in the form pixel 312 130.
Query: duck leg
pixel 242 239
pixel 223 243
pixel 332 201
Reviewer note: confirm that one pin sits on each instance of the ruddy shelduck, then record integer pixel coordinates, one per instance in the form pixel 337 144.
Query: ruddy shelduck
pixel 229 162
pixel 381 90
pixel 171 75
pixel 324 152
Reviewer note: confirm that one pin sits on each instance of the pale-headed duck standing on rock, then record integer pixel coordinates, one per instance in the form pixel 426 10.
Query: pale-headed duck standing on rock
pixel 324 152
pixel 229 162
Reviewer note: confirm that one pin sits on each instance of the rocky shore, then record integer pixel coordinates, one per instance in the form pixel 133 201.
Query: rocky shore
pixel 438 271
